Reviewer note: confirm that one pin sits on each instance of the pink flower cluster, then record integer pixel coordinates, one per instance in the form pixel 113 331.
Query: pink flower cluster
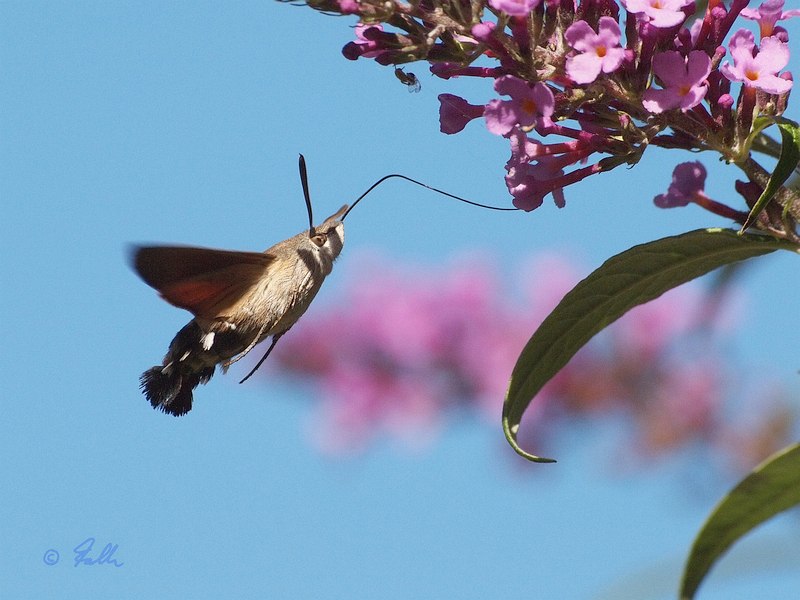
pixel 403 349
pixel 604 87
pixel 408 349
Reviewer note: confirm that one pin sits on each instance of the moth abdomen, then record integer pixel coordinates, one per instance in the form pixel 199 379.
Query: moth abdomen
pixel 170 390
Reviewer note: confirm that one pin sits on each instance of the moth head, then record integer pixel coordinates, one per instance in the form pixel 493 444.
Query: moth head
pixel 327 239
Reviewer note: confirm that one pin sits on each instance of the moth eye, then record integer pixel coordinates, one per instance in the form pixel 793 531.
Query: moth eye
pixel 319 240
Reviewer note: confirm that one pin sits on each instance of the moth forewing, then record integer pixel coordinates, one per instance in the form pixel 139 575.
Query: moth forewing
pixel 208 283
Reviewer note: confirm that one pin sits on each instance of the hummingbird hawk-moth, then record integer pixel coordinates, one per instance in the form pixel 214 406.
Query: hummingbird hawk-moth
pixel 238 299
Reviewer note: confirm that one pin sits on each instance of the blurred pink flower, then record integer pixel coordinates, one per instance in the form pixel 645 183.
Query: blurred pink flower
pixel 646 330
pixel 685 406
pixel 409 347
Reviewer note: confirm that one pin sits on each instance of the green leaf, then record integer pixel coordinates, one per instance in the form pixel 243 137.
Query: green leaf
pixel 771 488
pixel 633 277
pixel 790 157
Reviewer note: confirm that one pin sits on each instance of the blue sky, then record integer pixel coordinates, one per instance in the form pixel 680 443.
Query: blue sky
pixel 178 122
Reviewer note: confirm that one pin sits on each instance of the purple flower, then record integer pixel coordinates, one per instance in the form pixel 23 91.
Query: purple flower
pixel 523 148
pixel 688 182
pixel 455 113
pixel 597 51
pixel 684 81
pixel 659 13
pixel 348 7
pixel 363 46
pixel 529 107
pixel 530 183
pixel 566 73
pixel 521 184
pixel 759 71
pixel 483 31
pixel 769 13
pixel 524 178
pixel 515 8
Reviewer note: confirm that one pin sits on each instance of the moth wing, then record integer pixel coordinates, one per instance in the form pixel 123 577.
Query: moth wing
pixel 206 282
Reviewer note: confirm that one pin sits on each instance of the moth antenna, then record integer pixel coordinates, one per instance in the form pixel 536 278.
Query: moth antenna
pixel 433 189
pixel 304 181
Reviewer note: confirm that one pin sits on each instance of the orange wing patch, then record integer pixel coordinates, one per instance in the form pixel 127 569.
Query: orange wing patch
pixel 209 283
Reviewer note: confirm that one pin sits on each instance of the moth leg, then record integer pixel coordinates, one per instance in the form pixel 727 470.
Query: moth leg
pixel 275 339
pixel 226 365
